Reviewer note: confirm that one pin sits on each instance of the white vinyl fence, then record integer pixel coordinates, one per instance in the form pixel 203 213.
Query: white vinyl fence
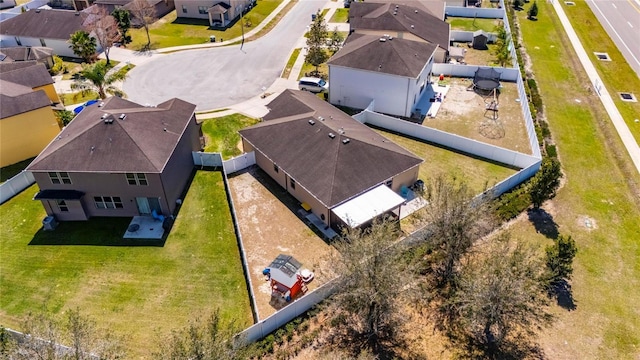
pixel 469 71
pixel 471 12
pixel 467 36
pixel 15 185
pixel 238 163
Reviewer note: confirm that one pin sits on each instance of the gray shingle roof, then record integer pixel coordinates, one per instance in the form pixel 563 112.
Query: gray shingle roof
pixel 26 53
pixel 45 24
pixel 388 17
pixel 17 99
pixel 397 56
pixel 142 142
pixel 332 169
pixel 32 76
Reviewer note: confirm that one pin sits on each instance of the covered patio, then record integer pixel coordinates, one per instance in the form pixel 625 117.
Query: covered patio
pixel 366 207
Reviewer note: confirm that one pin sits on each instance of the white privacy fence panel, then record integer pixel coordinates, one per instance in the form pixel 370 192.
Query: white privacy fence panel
pixel 238 163
pixel 472 12
pixel 286 314
pixel 467 36
pixel 469 71
pixel 15 185
pixel 206 159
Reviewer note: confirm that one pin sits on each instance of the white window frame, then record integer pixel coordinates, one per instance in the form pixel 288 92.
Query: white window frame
pixel 60 177
pixel 139 179
pixel 108 202
pixel 202 10
pixel 62 205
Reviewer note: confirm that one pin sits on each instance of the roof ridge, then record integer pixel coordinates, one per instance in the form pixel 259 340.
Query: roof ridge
pixel 136 144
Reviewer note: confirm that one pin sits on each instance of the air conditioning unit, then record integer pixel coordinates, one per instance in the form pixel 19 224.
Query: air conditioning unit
pixel 49 223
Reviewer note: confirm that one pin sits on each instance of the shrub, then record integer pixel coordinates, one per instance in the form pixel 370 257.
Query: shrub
pixel 58 67
pixel 551 151
pixel 510 204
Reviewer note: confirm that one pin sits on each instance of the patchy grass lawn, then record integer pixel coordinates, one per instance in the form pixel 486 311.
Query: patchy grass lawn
pixel 222 134
pixel 309 70
pixel 478 173
pixel 471 24
pixel 12 170
pixel 171 31
pixel 74 66
pixel 136 289
pixel 478 57
pixel 602 186
pixel 78 97
pixel 616 74
pixel 292 60
pixel 340 16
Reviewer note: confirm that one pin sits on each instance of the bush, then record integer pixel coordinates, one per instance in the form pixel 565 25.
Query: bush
pixel 551 151
pixel 59 67
pixel 511 204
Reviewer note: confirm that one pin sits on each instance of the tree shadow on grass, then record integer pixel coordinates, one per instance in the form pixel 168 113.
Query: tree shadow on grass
pixel 563 294
pixel 93 232
pixel 543 223
pixel 516 347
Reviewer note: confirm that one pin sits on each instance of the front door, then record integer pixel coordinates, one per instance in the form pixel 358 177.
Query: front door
pixel 147 204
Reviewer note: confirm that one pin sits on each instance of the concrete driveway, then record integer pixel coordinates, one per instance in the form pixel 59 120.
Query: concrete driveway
pixel 223 76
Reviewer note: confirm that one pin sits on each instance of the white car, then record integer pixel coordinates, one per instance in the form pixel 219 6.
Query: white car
pixel 313 84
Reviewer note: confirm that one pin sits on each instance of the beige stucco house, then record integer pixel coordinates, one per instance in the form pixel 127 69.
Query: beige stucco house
pixel 218 13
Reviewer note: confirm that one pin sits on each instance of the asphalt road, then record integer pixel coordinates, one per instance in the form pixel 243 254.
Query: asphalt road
pixel 621 20
pixel 218 77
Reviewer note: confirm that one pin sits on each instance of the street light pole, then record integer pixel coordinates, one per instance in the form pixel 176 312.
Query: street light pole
pixel 242 26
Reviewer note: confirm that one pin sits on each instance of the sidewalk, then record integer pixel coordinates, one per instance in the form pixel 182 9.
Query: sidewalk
pixel 617 120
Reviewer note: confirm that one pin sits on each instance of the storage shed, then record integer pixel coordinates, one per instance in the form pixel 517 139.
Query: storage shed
pixel 284 277
pixel 480 39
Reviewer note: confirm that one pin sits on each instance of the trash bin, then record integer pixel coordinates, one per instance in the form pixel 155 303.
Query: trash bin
pixel 313 17
pixel 212 38
pixel 49 223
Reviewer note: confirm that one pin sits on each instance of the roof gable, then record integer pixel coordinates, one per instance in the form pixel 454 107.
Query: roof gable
pixel 391 56
pixel 141 142
pixel 45 24
pixel 332 168
pixel 17 99
pixel 32 76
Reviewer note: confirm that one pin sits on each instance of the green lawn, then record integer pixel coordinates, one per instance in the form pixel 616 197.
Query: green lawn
pixel 340 16
pixel 222 134
pixel 471 24
pixel 616 74
pixel 77 97
pixel 292 59
pixel 478 173
pixel 136 289
pixel 606 323
pixel 171 31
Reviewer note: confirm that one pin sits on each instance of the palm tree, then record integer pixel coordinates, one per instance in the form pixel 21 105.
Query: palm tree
pixel 96 78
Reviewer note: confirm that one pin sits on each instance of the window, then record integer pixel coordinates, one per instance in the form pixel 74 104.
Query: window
pixel 292 183
pixel 184 9
pixel 62 206
pixel 108 202
pixel 202 9
pixel 275 168
pixel 59 178
pixel 389 182
pixel 137 179
pixel 43 43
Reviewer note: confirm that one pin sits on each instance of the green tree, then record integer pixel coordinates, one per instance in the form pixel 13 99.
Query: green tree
pixel 123 20
pixel 517 4
pixel 503 43
pixel 83 45
pixel 65 116
pixel 95 78
pixel 533 11
pixel 544 184
pixel 371 283
pixel 58 66
pixel 500 301
pixel 559 259
pixel 316 42
pixel 335 41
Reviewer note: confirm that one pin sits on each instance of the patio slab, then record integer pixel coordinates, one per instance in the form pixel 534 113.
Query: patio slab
pixel 147 228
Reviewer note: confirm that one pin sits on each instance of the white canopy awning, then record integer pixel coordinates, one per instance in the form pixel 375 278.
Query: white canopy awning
pixel 367 206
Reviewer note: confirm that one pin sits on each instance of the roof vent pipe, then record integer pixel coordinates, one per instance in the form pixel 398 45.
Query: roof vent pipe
pixel 346 141
pixel 332 135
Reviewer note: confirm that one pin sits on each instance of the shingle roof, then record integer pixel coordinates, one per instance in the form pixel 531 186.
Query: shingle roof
pixel 33 76
pixel 142 142
pixel 399 17
pixel 331 169
pixel 435 7
pixel 26 53
pixel 17 99
pixel 45 24
pixel 396 56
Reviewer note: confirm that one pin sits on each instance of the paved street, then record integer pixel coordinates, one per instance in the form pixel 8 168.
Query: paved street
pixel 621 20
pixel 219 77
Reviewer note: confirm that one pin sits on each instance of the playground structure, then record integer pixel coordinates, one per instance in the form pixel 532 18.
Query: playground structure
pixel 486 82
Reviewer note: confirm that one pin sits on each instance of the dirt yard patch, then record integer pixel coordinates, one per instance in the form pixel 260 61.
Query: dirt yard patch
pixel 270 225
pixel 463 113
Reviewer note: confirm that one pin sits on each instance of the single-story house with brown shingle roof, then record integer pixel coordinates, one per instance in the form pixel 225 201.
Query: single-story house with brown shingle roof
pixel 40 27
pixel 391 71
pixel 40 54
pixel 399 20
pixel 118 158
pixel 345 172
pixel 219 13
